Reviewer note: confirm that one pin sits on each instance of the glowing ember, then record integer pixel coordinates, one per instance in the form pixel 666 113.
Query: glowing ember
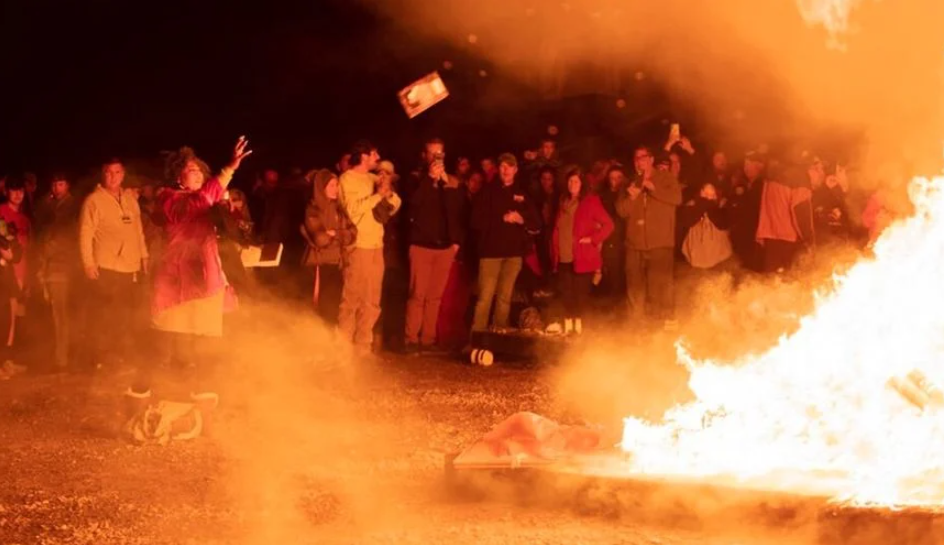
pixel 817 413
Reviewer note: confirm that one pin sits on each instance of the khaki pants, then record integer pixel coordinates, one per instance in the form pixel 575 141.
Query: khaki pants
pixel 429 272
pixel 496 281
pixel 360 297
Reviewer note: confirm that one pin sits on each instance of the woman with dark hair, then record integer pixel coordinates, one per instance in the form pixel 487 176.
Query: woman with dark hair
pixel 11 254
pixel 235 234
pixel 613 282
pixel 328 232
pixel 581 226
pixel 546 198
pixel 189 284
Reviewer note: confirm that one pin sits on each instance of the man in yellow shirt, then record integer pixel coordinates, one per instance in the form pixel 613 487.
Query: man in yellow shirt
pixel 114 255
pixel 366 203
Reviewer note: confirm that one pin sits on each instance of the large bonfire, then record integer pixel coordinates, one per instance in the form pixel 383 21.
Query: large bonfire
pixel 844 407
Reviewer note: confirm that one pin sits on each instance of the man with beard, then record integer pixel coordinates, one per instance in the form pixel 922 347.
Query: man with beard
pixel 363 277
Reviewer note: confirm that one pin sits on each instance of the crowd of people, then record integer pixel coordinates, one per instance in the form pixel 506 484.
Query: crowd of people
pixel 413 263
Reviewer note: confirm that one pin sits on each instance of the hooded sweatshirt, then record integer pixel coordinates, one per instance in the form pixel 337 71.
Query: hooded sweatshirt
pixel 321 216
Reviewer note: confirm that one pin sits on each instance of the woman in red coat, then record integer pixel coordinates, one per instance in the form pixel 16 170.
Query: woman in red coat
pixel 189 285
pixel 581 226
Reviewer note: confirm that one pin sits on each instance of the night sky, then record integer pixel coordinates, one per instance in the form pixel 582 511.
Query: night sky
pixel 98 78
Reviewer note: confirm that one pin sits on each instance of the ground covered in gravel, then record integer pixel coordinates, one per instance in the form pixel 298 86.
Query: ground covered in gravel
pixel 313 446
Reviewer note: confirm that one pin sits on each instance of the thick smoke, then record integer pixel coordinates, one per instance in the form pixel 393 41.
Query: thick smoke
pixel 756 72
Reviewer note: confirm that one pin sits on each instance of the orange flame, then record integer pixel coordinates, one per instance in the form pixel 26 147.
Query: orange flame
pixel 816 413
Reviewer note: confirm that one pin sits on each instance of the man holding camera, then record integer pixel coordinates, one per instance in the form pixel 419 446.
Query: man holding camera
pixel 648 205
pixel 435 233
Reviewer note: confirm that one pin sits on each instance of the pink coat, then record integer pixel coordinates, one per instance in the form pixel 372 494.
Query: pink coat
pixel 590 220
pixel 190 266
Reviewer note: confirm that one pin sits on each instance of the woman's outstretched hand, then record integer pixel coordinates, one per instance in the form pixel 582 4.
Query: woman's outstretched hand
pixel 240 152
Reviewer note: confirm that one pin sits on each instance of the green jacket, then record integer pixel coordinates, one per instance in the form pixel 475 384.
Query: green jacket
pixel 650 217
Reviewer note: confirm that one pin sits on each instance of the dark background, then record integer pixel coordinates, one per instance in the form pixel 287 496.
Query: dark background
pixel 88 80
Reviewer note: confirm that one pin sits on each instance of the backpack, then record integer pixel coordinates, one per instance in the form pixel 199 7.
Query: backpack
pixel 705 245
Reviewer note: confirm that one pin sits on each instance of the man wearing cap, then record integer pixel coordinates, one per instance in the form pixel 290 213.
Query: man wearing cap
pixel 114 253
pixel 648 204
pixel 57 216
pixel 504 218
pixel 360 196
pixel 435 234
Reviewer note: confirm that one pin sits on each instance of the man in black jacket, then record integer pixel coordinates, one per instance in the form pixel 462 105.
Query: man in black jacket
pixel 502 215
pixel 435 234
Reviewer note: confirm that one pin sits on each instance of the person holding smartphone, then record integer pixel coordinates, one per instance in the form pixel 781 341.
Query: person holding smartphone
pixel 648 205
pixel 435 234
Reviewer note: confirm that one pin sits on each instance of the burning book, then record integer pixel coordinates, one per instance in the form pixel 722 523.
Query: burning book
pixel 423 94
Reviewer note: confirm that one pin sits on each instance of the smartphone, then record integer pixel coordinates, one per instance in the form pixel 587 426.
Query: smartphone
pixel 675 132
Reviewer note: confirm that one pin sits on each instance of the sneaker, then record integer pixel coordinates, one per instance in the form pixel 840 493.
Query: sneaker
pixel 411 349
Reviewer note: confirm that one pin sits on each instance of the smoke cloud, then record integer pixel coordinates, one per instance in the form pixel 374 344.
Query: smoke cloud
pixel 755 72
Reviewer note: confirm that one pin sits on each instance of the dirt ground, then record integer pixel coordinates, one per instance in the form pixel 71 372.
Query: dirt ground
pixel 310 446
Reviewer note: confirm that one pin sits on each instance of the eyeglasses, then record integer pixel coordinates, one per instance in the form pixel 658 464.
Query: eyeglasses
pixel 640 157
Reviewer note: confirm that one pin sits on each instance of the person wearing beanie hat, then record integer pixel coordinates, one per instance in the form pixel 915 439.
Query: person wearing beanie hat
pixel 328 232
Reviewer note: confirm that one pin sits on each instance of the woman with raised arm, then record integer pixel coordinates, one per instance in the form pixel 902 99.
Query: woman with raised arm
pixel 190 289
